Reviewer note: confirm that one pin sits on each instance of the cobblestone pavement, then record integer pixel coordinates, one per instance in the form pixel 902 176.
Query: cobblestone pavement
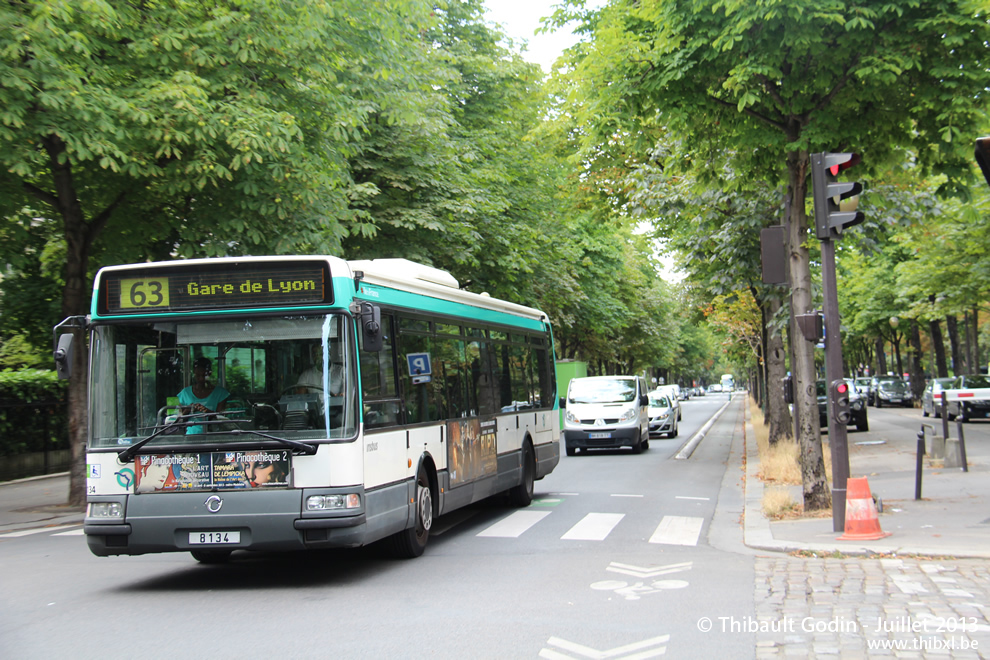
pixel 867 607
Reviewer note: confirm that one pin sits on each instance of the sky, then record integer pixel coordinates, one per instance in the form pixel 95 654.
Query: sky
pixel 521 18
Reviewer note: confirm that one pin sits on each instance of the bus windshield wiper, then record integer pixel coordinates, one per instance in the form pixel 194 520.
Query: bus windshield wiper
pixel 128 454
pixel 303 447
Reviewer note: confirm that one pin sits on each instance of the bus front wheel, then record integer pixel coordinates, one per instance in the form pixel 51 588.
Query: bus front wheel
pixel 410 543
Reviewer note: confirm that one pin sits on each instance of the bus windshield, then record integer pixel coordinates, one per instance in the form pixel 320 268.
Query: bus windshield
pixel 213 382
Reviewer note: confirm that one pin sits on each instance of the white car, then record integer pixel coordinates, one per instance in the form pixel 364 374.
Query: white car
pixel 663 415
pixel 672 391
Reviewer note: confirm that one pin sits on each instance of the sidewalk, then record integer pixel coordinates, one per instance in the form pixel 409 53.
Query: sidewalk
pixel 951 520
pixel 37 502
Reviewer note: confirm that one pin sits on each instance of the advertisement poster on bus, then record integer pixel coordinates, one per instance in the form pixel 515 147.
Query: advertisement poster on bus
pixel 231 470
pixel 472 449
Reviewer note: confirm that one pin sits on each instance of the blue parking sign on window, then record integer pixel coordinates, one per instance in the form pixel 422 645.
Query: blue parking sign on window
pixel 419 367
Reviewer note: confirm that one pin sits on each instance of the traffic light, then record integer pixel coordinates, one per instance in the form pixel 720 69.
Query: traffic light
pixel 831 214
pixel 812 326
pixel 840 401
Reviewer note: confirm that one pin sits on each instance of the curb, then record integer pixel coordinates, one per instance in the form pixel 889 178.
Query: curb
pixel 757 533
pixel 688 447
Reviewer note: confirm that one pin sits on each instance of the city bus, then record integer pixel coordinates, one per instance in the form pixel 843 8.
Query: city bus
pixel 420 398
pixel 728 384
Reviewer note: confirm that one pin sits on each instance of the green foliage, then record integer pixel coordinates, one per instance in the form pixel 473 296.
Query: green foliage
pixel 33 414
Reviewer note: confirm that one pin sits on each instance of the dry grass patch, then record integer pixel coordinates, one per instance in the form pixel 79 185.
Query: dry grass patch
pixel 777 503
pixel 780 467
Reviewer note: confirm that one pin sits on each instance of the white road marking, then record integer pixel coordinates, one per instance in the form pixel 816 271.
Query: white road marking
pixel 678 530
pixel 514 525
pixel 685 497
pixel 624 495
pixel 593 527
pixel 34 530
pixel 71 532
pixel 648 648
pixel 644 572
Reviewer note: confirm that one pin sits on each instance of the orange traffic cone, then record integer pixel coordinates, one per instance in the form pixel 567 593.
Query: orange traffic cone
pixel 861 513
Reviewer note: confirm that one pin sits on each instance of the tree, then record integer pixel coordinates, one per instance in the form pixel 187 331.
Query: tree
pixel 227 124
pixel 771 82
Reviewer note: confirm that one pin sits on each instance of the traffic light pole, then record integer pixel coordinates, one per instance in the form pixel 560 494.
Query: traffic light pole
pixel 837 434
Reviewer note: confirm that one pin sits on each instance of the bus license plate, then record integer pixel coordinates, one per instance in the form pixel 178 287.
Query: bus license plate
pixel 213 538
pixel 599 436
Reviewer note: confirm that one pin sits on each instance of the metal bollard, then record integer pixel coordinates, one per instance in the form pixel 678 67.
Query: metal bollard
pixel 962 444
pixel 920 463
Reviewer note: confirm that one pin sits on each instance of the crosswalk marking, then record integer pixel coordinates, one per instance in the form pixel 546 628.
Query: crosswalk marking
pixel 678 530
pixel 513 526
pixel 593 527
pixel 673 530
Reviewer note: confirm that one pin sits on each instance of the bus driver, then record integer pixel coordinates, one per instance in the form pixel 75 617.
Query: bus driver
pixel 202 396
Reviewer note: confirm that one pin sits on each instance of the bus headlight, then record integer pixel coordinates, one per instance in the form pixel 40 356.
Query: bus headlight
pixel 331 502
pixel 106 510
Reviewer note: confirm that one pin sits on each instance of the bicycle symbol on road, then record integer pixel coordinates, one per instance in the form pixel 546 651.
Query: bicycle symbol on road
pixel 637 590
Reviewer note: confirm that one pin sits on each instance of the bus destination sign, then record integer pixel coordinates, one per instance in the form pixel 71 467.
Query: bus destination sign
pixel 206 287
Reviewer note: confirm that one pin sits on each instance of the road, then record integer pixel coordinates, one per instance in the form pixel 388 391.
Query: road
pixel 620 555
pixel 613 552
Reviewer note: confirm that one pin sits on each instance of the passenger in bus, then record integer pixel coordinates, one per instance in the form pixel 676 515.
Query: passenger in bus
pixel 202 396
pixel 311 379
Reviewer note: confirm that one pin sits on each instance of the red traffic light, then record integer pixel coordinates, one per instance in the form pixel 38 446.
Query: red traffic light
pixel 850 160
pixel 842 388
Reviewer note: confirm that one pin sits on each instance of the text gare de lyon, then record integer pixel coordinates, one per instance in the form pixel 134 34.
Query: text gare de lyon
pixel 247 286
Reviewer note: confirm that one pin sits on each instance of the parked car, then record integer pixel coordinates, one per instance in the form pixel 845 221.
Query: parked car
pixel 663 415
pixel 606 411
pixel 865 386
pixel 857 406
pixel 931 398
pixel 979 406
pixel 892 391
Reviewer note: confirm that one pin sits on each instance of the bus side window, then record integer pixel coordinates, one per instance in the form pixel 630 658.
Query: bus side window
pixel 379 390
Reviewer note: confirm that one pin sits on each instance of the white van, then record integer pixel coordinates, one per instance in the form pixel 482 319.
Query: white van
pixel 606 411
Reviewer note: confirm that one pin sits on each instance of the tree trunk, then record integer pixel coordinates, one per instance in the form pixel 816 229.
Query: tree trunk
pixel 817 495
pixel 74 298
pixel 973 332
pixel 896 345
pixel 778 414
pixel 881 358
pixel 958 363
pixel 79 237
pixel 916 370
pixel 935 332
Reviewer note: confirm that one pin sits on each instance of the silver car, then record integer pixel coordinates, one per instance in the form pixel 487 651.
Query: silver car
pixel 931 398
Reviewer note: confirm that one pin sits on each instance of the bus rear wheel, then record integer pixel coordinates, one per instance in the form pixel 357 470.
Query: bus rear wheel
pixel 410 543
pixel 522 495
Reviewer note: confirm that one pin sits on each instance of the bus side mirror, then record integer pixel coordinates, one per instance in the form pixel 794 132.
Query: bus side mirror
pixel 63 356
pixel 371 327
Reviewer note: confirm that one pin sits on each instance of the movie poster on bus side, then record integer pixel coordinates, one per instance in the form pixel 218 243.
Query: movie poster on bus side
pixel 234 470
pixel 472 449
